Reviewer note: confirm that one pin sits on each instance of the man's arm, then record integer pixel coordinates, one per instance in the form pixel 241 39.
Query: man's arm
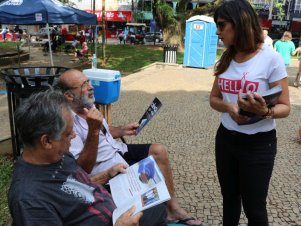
pixel 126 130
pixel 88 155
pixel 24 213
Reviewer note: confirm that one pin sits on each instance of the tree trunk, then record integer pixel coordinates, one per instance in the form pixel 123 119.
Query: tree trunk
pixel 173 35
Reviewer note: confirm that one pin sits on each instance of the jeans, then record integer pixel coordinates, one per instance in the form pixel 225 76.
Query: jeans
pixel 244 167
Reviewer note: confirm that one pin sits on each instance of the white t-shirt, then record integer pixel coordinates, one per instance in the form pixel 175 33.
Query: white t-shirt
pixel 108 147
pixel 265 67
pixel 268 41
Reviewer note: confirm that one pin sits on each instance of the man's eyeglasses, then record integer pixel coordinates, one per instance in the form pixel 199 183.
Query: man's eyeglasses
pixel 84 85
pixel 221 25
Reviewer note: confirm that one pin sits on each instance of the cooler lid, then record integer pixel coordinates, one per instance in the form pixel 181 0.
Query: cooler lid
pixel 102 74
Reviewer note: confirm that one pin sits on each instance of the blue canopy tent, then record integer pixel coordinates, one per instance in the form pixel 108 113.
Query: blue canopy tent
pixel 31 12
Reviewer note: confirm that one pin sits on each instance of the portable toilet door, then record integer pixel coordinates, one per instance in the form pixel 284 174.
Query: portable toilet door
pixel 200 42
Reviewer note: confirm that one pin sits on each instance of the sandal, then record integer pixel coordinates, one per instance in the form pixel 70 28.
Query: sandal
pixel 183 222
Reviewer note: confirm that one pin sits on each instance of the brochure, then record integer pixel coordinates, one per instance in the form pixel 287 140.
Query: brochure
pixel 270 96
pixel 143 185
pixel 149 114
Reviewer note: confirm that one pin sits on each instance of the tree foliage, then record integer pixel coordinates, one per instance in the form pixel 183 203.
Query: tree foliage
pixel 173 23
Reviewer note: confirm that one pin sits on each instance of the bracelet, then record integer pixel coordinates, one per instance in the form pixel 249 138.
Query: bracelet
pixel 266 114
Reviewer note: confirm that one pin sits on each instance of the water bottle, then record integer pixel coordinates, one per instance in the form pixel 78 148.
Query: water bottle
pixel 94 61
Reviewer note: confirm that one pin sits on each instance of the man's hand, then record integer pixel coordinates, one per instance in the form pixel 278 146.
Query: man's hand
pixel 103 177
pixel 129 129
pixel 119 168
pixel 94 120
pixel 128 219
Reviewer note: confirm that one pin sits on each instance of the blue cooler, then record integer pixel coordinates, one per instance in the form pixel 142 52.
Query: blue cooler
pixel 106 84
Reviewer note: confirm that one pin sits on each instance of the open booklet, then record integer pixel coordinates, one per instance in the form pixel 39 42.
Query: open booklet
pixel 270 96
pixel 143 185
pixel 149 113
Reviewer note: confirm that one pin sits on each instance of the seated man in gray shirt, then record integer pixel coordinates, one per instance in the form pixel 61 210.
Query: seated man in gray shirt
pixel 95 147
pixel 48 187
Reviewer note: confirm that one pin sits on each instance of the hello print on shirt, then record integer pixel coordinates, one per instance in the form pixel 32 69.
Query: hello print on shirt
pixel 233 86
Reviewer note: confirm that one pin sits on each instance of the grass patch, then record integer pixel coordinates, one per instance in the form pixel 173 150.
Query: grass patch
pixel 6 168
pixel 129 58
pixel 9 44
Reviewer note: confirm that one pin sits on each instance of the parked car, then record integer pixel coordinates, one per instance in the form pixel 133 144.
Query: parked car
pixel 43 33
pixel 154 36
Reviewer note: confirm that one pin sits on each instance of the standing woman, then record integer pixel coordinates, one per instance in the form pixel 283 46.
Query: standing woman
pixel 245 154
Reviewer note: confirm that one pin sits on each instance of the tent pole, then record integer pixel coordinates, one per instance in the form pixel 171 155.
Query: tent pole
pixel 50 50
pixel 27 37
pixel 95 39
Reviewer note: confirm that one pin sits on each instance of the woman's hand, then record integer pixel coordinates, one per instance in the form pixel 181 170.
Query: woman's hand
pixel 233 111
pixel 252 103
pixel 128 219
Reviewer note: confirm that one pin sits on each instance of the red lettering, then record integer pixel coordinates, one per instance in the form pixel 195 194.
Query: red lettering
pixel 250 86
pixel 229 86
pixel 233 86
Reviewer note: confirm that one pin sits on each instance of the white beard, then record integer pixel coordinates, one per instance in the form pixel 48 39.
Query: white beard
pixel 83 101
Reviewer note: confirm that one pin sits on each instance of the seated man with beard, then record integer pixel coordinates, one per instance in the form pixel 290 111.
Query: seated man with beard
pixel 95 147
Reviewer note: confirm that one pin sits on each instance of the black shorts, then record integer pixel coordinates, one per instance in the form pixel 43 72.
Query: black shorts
pixel 136 152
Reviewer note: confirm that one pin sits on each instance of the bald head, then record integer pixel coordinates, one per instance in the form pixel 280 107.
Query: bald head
pixel 72 77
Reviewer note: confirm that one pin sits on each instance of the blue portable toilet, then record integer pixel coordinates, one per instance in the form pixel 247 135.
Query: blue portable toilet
pixel 200 42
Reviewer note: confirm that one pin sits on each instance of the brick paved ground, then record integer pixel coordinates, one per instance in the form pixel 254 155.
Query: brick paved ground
pixel 186 125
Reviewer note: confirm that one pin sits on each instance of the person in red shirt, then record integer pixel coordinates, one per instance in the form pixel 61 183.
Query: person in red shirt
pixel 83 52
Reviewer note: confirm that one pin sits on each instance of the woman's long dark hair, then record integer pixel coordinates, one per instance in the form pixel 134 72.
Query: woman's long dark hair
pixel 248 33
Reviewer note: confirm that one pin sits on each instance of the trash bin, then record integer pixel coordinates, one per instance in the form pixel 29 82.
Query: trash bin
pixel 21 82
pixel 170 53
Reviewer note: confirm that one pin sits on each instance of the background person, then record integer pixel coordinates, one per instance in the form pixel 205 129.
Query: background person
pixel 83 52
pixel 3 33
pixel 71 46
pixel 298 77
pixel 48 187
pixel 267 39
pixel 285 47
pixel 245 154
